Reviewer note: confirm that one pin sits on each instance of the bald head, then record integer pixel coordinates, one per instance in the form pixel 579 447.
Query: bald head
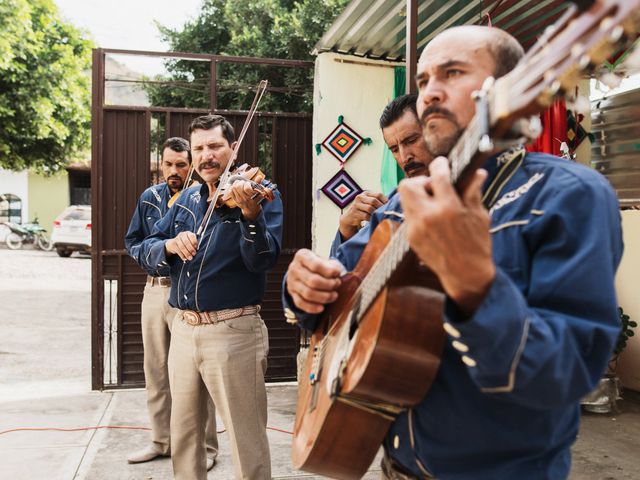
pixel 504 49
pixel 453 66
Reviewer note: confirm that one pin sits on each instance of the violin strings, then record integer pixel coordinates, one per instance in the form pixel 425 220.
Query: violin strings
pixel 262 88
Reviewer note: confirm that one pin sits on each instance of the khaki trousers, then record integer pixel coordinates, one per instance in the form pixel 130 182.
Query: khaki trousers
pixel 226 362
pixel 157 316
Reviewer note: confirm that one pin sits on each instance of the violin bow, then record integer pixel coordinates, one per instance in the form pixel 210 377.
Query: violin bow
pixel 222 180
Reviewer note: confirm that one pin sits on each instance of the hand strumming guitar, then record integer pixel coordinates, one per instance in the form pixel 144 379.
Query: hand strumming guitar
pixel 312 281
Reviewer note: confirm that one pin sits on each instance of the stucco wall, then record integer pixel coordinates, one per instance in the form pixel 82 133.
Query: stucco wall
pixel 627 282
pixel 358 90
pixel 48 197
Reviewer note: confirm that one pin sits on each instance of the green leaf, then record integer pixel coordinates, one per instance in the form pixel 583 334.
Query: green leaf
pixel 45 103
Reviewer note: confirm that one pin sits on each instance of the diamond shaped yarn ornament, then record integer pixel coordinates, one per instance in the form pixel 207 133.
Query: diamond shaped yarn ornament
pixel 342 142
pixel 341 189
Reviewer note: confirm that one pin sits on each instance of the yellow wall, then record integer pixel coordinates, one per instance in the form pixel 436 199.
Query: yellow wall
pixel 627 282
pixel 359 90
pixel 48 197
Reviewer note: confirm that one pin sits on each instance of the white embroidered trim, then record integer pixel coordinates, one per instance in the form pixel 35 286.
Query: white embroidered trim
pixel 392 213
pixel 156 194
pixel 154 206
pixel 537 212
pixel 513 195
pixel 502 226
pixel 192 214
pixel 514 364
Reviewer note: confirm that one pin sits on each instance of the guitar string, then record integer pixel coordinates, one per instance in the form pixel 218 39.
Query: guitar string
pixel 398 246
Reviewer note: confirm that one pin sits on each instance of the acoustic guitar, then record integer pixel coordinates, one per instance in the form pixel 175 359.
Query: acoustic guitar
pixel 377 348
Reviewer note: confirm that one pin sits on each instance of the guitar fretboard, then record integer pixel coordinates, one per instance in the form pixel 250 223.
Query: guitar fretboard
pixel 397 248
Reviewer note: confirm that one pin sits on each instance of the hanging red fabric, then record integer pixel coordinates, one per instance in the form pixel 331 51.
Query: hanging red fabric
pixel 554 124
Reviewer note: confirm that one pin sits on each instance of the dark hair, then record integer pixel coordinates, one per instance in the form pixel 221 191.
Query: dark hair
pixel 207 122
pixel 396 108
pixel 177 144
pixel 506 52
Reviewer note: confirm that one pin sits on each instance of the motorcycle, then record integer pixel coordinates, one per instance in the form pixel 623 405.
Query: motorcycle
pixel 26 234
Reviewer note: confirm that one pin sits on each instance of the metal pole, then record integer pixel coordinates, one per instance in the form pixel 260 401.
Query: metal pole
pixel 412 45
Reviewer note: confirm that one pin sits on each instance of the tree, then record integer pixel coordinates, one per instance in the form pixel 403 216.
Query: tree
pixel 257 28
pixel 45 109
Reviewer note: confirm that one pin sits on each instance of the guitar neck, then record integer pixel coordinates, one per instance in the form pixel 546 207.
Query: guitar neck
pixel 461 157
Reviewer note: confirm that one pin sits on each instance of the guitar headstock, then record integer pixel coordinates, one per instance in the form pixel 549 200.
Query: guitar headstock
pixel 570 49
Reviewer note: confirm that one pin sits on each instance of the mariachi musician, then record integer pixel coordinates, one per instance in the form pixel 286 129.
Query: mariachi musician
pixel 218 258
pixel 530 310
pixel 157 314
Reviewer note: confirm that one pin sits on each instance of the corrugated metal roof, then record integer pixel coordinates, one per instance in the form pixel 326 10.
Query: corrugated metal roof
pixel 377 28
pixel 616 150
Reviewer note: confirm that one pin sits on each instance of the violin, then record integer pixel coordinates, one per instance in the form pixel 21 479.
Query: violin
pixel 245 173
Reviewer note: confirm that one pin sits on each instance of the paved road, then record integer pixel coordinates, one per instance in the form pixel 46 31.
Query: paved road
pixel 45 319
pixel 45 357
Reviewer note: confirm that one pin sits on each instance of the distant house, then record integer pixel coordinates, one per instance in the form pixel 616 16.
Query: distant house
pixel 26 195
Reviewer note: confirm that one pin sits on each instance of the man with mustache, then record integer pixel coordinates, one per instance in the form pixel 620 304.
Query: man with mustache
pixel 219 343
pixel 526 255
pixel 157 314
pixel 402 133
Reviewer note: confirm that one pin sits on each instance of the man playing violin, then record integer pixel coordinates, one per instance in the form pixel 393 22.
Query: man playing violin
pixel 157 314
pixel 219 342
pixel 526 255
pixel 402 133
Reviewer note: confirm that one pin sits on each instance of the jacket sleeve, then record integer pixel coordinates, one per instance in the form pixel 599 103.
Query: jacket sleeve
pixel 335 245
pixel 153 255
pixel 548 343
pixel 135 234
pixel 261 239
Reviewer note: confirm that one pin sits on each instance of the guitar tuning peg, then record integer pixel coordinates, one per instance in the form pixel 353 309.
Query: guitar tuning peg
pixel 617 34
pixel 585 63
pixel 611 80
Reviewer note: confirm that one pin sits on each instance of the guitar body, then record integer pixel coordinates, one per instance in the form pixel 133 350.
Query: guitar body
pixel 358 376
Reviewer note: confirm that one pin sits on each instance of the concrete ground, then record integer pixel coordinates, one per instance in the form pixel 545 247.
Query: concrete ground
pixel 45 381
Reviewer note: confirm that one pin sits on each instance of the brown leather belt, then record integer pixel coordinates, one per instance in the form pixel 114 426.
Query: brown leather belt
pixel 162 281
pixel 191 317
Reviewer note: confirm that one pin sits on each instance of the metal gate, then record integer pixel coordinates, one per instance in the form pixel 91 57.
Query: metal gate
pixel 120 171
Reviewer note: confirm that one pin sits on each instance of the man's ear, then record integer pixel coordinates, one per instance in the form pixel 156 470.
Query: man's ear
pixel 233 145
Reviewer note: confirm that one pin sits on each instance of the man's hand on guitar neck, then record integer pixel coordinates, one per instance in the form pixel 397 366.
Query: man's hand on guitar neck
pixel 450 233
pixel 358 211
pixel 312 281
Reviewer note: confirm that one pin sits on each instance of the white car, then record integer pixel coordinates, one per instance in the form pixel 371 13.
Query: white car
pixel 72 230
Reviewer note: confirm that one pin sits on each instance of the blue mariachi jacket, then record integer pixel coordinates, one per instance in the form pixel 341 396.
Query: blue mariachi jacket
pixel 152 206
pixel 505 402
pixel 228 270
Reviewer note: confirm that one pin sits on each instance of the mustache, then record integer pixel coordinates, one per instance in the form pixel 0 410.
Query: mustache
pixel 211 164
pixel 434 109
pixel 411 166
pixel 174 177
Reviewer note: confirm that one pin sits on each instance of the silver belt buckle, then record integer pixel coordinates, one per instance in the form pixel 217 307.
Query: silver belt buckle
pixel 191 317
